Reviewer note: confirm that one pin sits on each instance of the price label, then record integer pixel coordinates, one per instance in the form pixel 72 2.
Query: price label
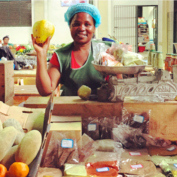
pixel 171 148
pixel 138 118
pixel 175 164
pixel 102 169
pixel 135 153
pixel 67 143
pixel 136 166
pixel 91 127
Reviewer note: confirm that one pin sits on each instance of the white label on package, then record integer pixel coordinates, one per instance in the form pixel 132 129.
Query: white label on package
pixel 171 148
pixel 136 166
pixel 91 127
pixel 102 169
pixel 67 143
pixel 175 164
pixel 138 118
pixel 135 153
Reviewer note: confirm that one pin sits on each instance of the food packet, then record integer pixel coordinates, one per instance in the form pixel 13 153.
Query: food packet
pixel 103 164
pixel 91 127
pixel 106 125
pixel 139 154
pixel 137 119
pixel 62 149
pixel 118 50
pixel 107 145
pixel 129 137
pixel 156 174
pixel 137 167
pixel 85 148
pixel 55 172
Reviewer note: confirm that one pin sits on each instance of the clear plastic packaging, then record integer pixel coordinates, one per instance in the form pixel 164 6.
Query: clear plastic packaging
pixel 62 149
pixel 107 145
pixel 129 137
pixel 137 167
pixel 55 172
pixel 103 164
pixel 91 127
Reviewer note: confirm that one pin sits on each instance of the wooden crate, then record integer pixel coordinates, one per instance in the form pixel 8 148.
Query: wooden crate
pixel 6 81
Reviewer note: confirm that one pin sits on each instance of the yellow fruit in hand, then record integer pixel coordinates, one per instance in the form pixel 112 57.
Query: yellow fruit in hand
pixel 42 30
pixel 84 92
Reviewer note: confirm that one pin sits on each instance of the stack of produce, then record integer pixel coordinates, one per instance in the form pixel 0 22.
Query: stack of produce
pixel 17 149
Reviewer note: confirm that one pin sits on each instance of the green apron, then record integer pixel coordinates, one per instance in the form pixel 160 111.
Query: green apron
pixel 73 79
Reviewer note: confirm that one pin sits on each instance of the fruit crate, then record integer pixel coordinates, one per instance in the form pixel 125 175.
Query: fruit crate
pixel 34 166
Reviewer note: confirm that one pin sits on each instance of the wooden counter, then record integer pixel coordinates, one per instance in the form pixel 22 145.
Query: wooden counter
pixel 163 119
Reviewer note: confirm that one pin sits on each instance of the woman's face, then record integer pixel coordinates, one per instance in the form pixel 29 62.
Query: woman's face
pixel 82 28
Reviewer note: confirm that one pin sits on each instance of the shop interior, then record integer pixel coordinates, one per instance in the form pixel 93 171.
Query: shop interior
pixel 84 99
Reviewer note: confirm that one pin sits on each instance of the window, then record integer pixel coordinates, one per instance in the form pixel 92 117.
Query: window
pixel 15 13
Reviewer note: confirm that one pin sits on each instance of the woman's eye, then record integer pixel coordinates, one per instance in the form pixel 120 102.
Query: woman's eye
pixel 87 24
pixel 76 24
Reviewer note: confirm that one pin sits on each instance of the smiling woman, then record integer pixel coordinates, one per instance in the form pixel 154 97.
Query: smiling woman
pixel 71 65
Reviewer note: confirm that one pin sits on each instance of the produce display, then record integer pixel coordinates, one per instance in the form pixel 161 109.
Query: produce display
pixel 17 148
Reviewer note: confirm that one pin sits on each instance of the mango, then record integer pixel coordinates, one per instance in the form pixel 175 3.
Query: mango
pixel 7 138
pixel 9 159
pixel 29 147
pixel 42 30
pixel 84 92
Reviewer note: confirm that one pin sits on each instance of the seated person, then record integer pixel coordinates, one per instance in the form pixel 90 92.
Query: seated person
pixel 5 40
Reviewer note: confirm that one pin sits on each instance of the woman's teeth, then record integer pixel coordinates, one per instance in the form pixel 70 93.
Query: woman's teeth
pixel 81 35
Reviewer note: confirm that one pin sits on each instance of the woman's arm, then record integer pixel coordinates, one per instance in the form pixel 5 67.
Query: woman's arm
pixel 46 80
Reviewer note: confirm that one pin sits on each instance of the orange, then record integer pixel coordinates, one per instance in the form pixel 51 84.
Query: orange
pixel 3 170
pixel 18 169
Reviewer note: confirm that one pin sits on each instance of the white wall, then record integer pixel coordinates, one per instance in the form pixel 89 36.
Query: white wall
pixel 148 15
pixel 55 14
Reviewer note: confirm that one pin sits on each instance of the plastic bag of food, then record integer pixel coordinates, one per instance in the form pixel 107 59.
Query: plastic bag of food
pixel 106 125
pixel 98 49
pixel 62 149
pixel 167 169
pixel 129 137
pixel 103 164
pixel 55 172
pixel 118 50
pixel 107 145
pixel 139 154
pixel 91 127
pixel 85 147
pixel 137 167
pixel 157 174
pixel 137 119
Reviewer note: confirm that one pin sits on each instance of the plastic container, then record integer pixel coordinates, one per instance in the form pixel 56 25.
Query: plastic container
pixel 168 61
pixel 160 62
pixel 107 39
pixel 141 48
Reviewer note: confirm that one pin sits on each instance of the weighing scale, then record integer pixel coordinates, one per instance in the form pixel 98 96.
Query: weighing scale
pixel 160 86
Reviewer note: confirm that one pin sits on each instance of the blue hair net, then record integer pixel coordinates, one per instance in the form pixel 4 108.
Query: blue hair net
pixel 83 7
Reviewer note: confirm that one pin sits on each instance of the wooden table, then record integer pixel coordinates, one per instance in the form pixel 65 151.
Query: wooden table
pixel 28 76
pixel 163 119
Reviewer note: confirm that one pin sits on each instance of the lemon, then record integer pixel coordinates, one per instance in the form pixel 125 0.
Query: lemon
pixel 84 92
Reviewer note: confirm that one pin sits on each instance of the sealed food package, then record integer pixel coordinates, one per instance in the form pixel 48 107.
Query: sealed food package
pixel 97 51
pixel 155 141
pixel 103 164
pixel 85 147
pixel 168 169
pixel 128 136
pixel 139 154
pixel 163 151
pixel 156 174
pixel 51 156
pixel 118 51
pixel 109 60
pixel 91 127
pixel 137 119
pixel 55 172
pixel 75 169
pixel 168 159
pixel 106 126
pixel 137 167
pixel 62 149
pixel 107 145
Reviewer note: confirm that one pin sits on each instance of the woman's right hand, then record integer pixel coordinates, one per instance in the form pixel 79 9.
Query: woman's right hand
pixel 41 49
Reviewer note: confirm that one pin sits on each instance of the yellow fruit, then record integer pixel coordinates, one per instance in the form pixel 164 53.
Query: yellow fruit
pixel 42 30
pixel 176 98
pixel 84 92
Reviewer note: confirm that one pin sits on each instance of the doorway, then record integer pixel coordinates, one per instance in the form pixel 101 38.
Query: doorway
pixel 147 29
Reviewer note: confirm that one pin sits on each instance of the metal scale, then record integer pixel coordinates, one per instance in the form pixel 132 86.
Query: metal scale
pixel 158 87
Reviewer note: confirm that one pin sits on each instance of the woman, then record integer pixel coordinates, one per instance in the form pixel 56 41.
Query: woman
pixel 71 65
